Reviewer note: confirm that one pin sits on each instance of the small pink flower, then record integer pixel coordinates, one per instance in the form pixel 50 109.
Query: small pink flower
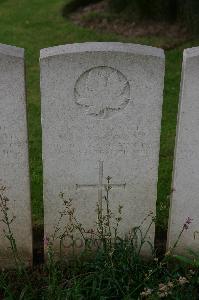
pixel 46 241
pixel 183 280
pixel 187 223
pixel 185 226
pixel 189 220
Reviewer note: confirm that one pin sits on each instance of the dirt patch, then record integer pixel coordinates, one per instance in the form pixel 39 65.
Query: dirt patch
pixel 98 17
pixel 38 234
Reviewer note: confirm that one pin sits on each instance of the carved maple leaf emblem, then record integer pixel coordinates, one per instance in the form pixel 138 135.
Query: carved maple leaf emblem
pixel 102 90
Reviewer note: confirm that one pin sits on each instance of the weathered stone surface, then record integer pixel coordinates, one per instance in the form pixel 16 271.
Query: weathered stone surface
pixel 184 199
pixel 101 115
pixel 14 171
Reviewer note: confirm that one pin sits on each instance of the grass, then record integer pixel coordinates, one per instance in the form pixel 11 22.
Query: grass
pixel 35 24
pixel 121 276
pixel 119 273
pixel 115 271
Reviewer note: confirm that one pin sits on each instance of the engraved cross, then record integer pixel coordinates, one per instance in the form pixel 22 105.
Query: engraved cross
pixel 100 184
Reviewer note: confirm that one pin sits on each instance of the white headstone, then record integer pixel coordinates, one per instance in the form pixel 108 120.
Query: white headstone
pixel 185 195
pixel 14 170
pixel 101 116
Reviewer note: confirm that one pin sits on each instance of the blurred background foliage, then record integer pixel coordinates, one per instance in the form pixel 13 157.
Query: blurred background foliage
pixel 184 11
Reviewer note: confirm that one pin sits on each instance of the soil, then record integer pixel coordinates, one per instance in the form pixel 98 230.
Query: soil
pixel 38 255
pixel 97 16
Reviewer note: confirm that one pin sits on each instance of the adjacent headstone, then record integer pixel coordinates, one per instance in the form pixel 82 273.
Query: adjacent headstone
pixel 184 199
pixel 101 116
pixel 14 171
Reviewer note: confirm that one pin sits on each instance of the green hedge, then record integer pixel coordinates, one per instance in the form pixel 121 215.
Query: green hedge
pixel 188 13
pixel 185 11
pixel 145 9
pixel 73 5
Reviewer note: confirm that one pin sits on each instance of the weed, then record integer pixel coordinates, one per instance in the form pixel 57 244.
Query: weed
pixel 108 267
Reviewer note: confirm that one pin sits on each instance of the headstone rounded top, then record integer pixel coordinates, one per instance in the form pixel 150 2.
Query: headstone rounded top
pixel 191 52
pixel 101 47
pixel 11 51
